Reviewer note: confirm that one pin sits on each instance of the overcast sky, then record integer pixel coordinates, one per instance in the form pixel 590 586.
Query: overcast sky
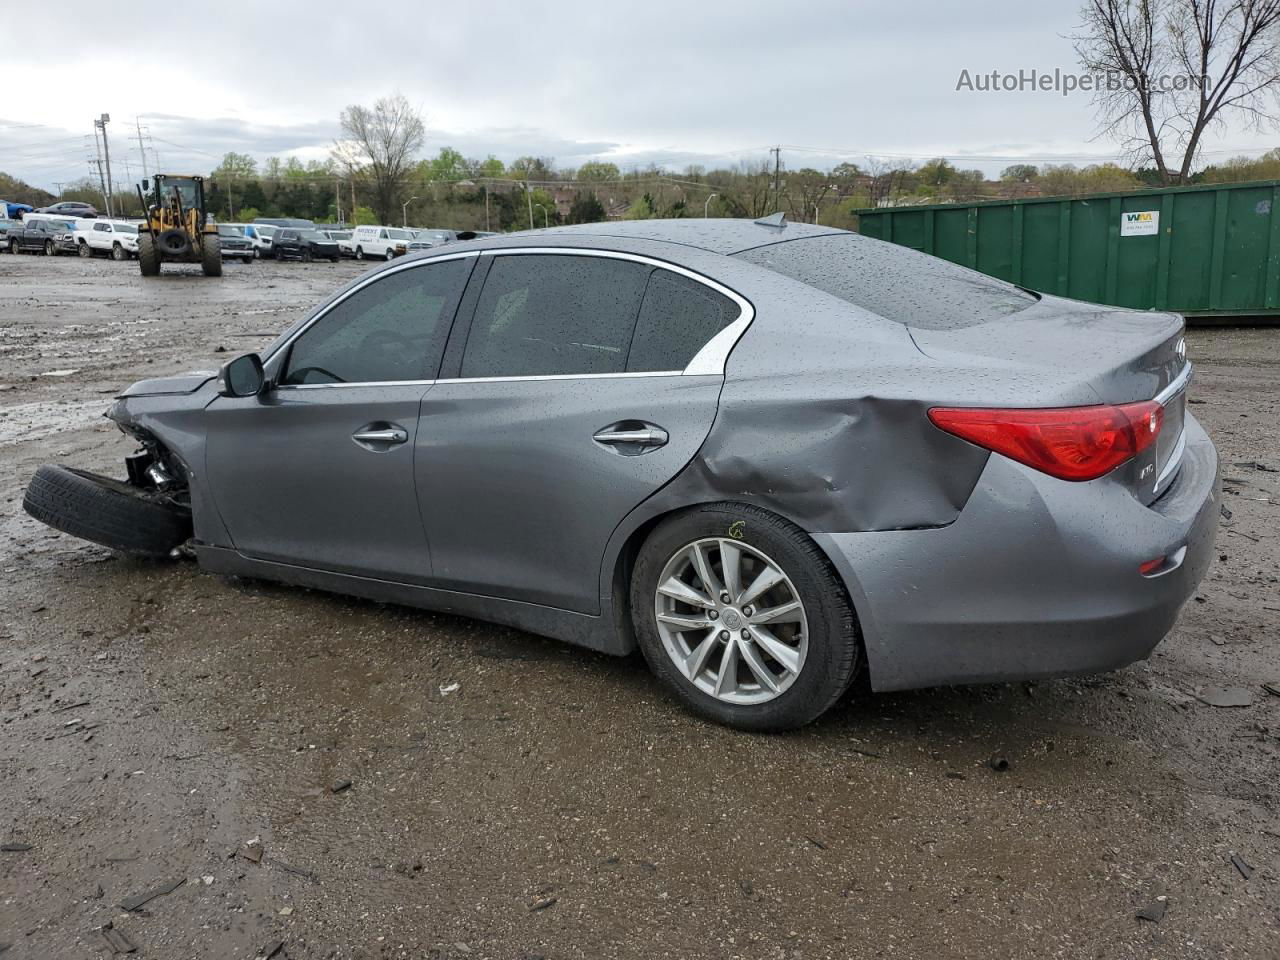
pixel 706 82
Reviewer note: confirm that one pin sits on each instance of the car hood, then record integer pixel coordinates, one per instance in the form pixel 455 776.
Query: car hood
pixel 169 386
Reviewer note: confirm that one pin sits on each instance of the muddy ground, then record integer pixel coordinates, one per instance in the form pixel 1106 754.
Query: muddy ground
pixel 155 720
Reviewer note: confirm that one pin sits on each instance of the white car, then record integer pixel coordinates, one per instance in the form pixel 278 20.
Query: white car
pixel 115 238
pixel 383 242
pixel 258 234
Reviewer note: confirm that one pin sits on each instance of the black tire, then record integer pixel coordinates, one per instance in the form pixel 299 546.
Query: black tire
pixel 173 243
pixel 84 250
pixel 49 249
pixel 106 511
pixel 148 255
pixel 333 259
pixel 834 643
pixel 117 252
pixel 359 253
pixel 13 247
pixel 211 255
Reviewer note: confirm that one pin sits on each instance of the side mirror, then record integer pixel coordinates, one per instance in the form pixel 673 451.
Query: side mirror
pixel 242 377
pixel 146 185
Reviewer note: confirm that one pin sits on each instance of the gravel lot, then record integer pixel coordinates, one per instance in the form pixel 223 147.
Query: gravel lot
pixel 156 720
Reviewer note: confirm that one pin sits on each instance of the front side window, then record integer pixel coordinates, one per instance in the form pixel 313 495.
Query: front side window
pixel 102 227
pixel 553 314
pixel 392 329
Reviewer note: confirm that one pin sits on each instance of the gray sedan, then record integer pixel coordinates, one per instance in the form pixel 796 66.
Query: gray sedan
pixel 775 457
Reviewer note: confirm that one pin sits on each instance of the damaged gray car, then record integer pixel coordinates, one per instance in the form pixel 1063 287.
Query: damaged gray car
pixel 775 457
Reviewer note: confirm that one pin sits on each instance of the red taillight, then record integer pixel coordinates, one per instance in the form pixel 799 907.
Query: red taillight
pixel 1070 443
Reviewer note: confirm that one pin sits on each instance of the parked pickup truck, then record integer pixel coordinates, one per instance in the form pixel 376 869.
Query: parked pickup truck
pixel 42 235
pixel 113 238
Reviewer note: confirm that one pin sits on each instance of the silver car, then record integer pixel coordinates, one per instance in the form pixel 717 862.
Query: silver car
pixel 775 457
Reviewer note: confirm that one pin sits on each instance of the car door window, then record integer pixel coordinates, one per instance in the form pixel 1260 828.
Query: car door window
pixel 678 317
pixel 553 314
pixel 392 329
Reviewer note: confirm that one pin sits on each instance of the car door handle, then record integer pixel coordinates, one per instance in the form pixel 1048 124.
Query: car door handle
pixel 387 435
pixel 644 436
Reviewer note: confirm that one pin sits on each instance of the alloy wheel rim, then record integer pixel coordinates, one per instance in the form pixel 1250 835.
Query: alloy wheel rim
pixel 731 621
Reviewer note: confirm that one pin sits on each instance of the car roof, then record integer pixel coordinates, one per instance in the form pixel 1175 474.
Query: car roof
pixel 724 235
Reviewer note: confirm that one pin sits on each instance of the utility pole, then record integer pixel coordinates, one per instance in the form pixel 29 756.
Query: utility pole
pixel 142 150
pixel 97 146
pixel 486 207
pixel 101 124
pixel 777 181
pixel 528 195
pixel 337 200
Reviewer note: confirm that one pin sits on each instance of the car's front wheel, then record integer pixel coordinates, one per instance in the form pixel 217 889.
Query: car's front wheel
pixel 49 249
pixel 740 613
pixel 117 252
pixel 84 250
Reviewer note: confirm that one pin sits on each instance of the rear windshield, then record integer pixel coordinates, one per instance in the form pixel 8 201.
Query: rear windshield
pixel 897 283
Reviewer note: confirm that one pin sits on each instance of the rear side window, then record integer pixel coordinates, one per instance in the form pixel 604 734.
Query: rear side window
pixel 677 319
pixel 897 283
pixel 554 314
pixel 392 329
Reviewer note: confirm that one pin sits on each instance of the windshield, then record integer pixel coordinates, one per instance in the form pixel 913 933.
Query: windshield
pixel 400 234
pixel 124 228
pixel 265 230
pixel 187 190
pixel 312 235
pixel 341 235
pixel 227 231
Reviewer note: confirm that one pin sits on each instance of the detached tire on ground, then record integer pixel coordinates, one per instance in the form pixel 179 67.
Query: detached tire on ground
pixel 742 615
pixel 106 511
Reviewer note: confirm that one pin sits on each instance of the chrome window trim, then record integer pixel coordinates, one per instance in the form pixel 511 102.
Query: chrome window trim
pixel 445 380
pixel 710 360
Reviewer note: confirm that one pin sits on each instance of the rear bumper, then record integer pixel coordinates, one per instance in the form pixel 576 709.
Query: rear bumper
pixel 1036 578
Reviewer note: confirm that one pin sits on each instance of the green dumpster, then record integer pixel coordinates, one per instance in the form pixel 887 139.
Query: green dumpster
pixel 1207 252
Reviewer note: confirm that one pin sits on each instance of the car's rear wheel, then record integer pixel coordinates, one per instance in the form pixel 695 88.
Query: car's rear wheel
pixel 106 511
pixel 740 613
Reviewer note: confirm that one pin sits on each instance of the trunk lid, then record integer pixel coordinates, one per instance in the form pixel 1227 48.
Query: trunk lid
pixel 1117 356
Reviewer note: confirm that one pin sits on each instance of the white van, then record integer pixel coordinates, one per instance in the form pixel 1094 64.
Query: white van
pixel 384 242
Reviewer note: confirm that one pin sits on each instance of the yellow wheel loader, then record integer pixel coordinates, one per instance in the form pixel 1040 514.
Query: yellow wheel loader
pixel 178 228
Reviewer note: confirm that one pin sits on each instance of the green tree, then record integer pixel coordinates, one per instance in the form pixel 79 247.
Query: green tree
pixel 642 209
pixel 1020 173
pixel 586 208
pixel 598 170
pixel 446 165
pixel 490 166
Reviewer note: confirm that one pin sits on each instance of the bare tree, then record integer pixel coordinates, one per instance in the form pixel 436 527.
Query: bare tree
pixel 381 144
pixel 1167 70
pixel 885 179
